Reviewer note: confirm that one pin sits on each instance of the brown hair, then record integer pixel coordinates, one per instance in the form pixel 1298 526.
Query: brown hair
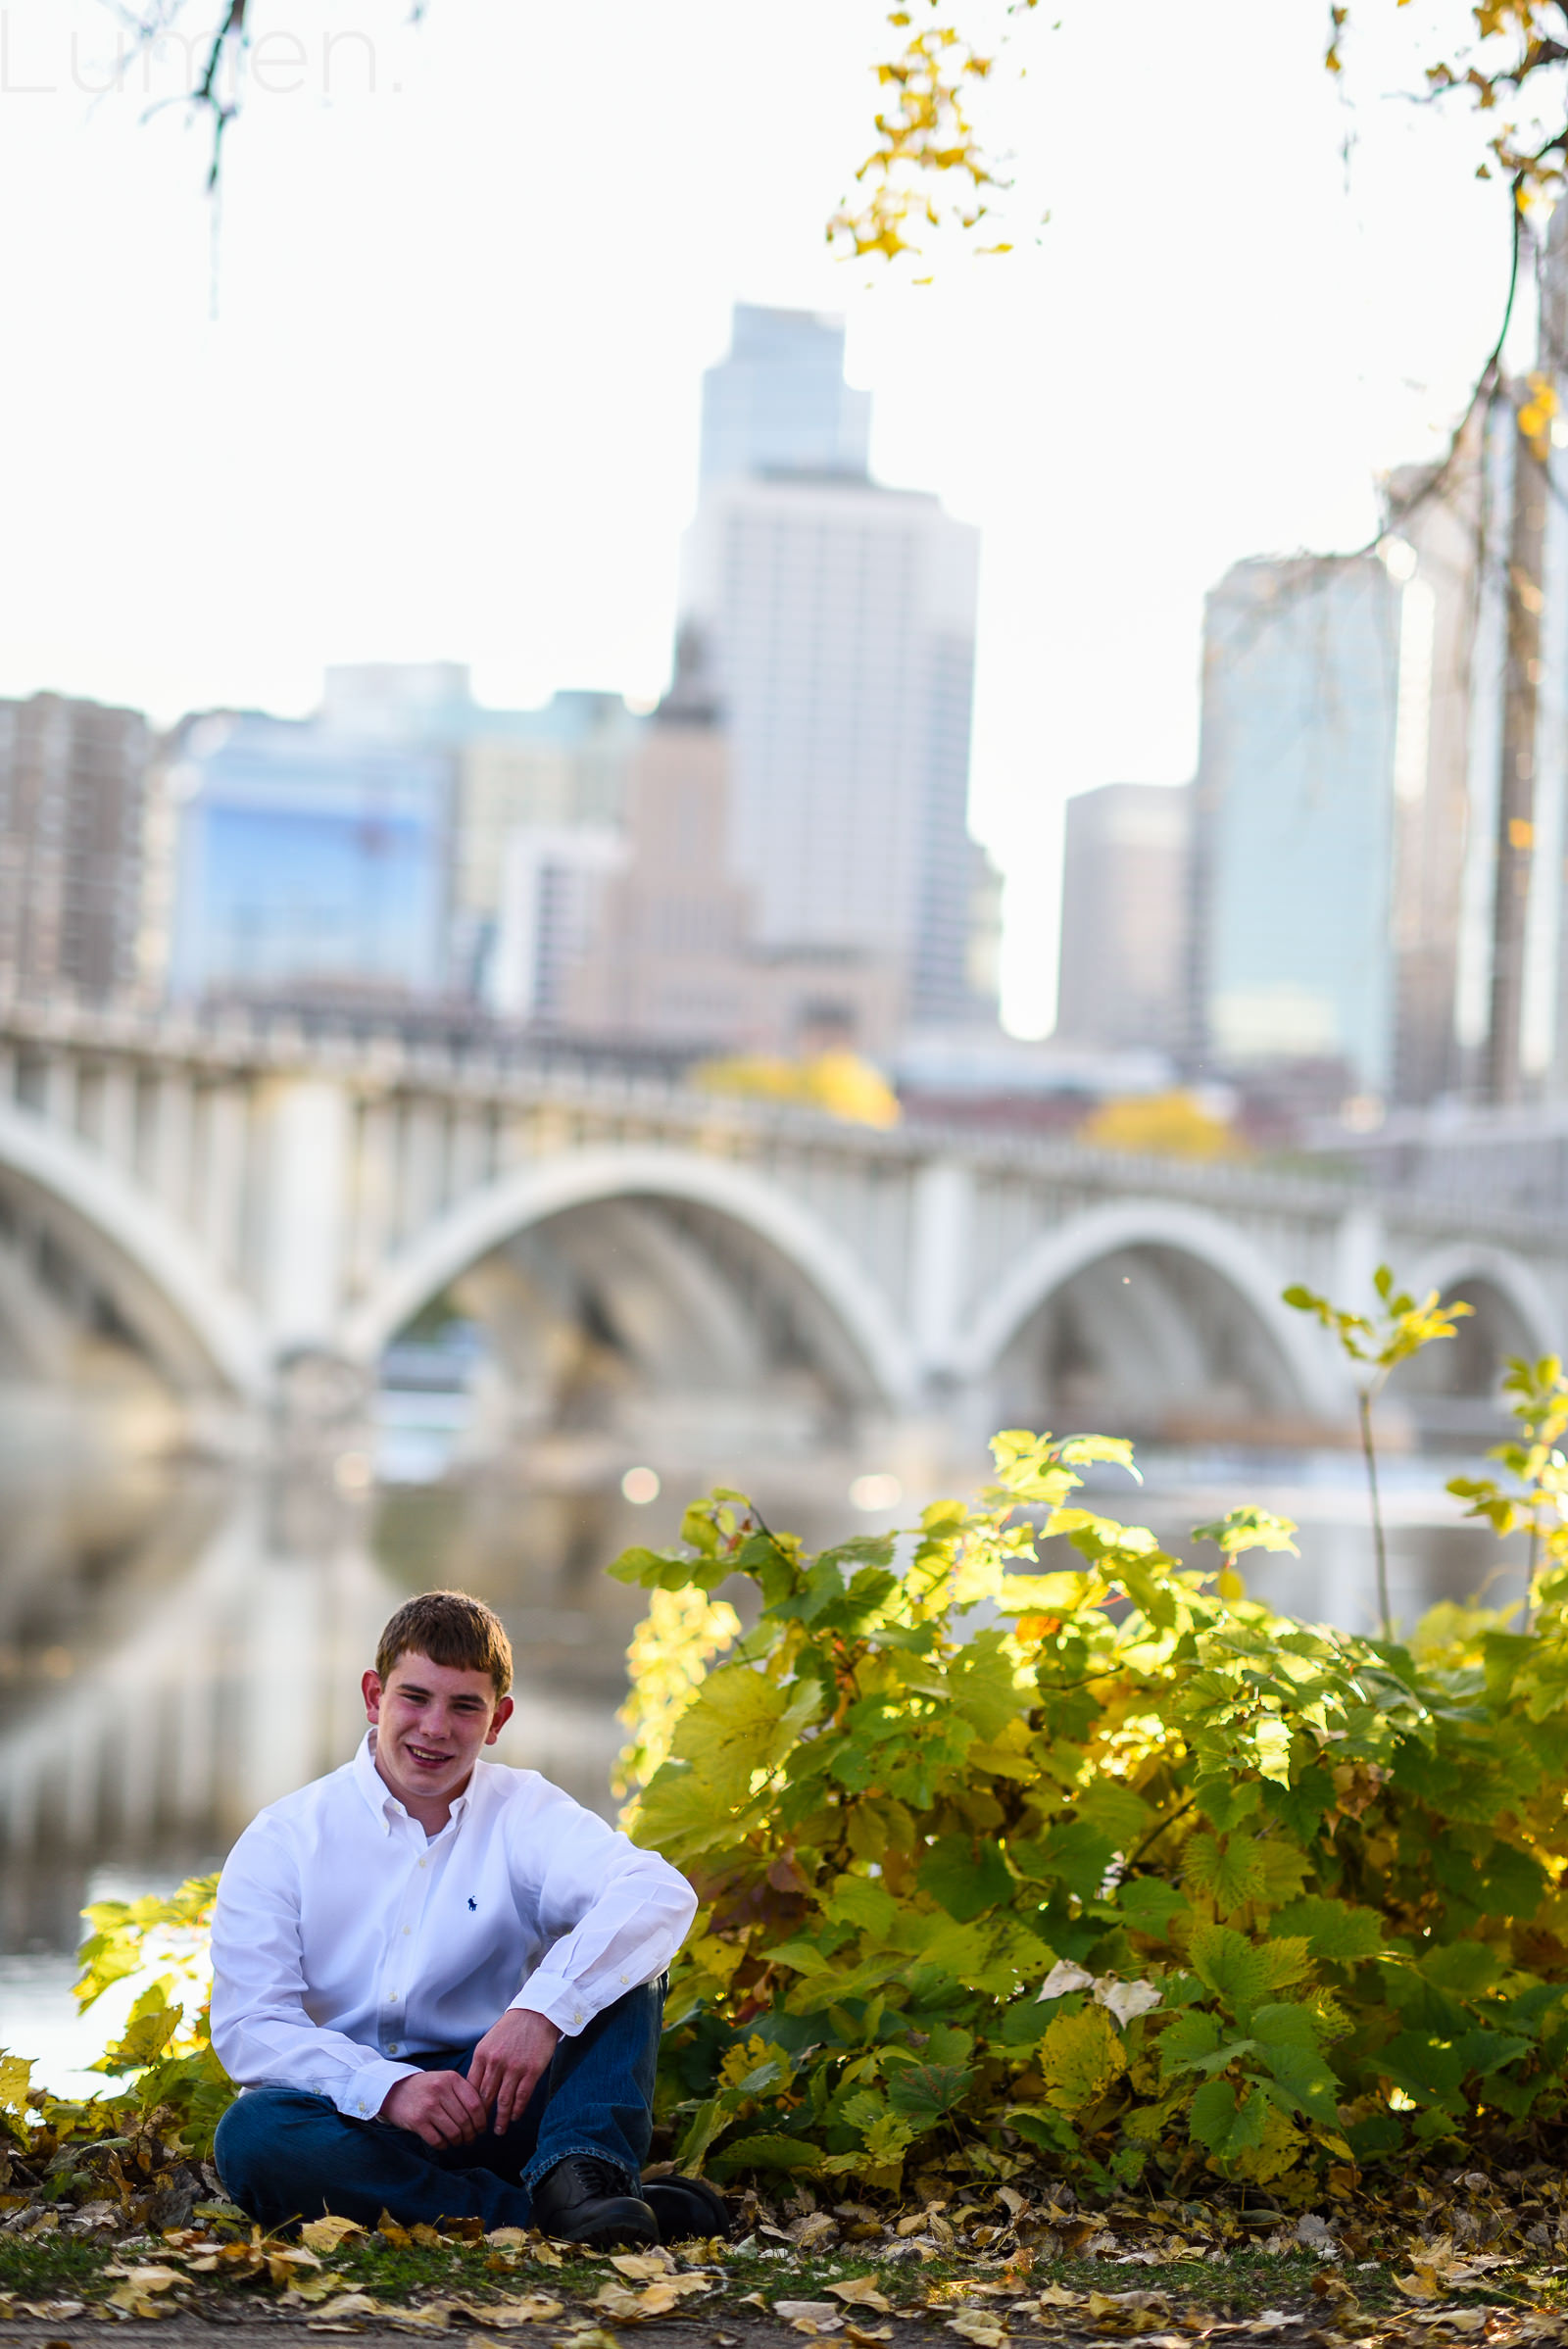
pixel 450 1628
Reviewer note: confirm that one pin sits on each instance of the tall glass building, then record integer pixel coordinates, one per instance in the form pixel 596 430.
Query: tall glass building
pixel 780 402
pixel 837 620
pixel 1295 799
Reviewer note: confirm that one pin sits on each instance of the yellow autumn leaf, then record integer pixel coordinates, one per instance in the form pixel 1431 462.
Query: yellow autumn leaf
pixel 326 2234
pixel 1080 2056
pixel 860 2292
pixel 981 2326
pixel 15 2073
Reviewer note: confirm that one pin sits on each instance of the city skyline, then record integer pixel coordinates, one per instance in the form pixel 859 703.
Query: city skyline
pixel 396 450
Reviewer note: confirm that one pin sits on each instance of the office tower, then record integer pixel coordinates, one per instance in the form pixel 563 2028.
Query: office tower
pixel 840 619
pixel 1438 747
pixel 72 782
pixel 779 401
pixel 557 767
pixel 675 957
pixel 1313 690
pixel 1124 911
pixel 552 881
pixel 302 863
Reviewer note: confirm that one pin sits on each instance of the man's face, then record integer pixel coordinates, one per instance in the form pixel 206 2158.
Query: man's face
pixel 432 1721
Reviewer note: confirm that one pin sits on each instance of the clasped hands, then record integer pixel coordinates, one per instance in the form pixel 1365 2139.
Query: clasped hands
pixel 445 2109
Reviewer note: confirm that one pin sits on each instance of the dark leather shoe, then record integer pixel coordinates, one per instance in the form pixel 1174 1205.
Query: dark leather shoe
pixel 587 2200
pixel 688 2209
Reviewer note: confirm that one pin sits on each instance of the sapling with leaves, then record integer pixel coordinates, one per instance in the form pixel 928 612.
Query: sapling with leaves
pixel 1377 1345
pixel 1535 1500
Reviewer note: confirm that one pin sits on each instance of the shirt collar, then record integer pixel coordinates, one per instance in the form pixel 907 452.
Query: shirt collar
pixel 383 1803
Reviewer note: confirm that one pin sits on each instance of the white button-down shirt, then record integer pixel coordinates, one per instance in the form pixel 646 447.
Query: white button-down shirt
pixel 345 1939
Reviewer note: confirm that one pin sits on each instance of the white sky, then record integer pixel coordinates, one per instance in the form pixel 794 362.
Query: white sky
pixel 447 404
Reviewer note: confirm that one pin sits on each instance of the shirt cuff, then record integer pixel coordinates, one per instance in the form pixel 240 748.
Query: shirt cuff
pixel 365 2091
pixel 559 2001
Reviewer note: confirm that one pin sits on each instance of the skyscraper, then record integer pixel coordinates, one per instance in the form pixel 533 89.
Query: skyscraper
pixel 1316 683
pixel 674 956
pixel 73 779
pixel 779 401
pixel 839 617
pixel 1124 910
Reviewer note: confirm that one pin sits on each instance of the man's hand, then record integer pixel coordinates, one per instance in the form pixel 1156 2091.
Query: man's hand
pixel 441 2107
pixel 510 2062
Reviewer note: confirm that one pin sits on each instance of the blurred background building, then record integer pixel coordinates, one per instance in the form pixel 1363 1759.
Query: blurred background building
pixel 1292 871
pixel 302 860
pixel 838 616
pixel 72 785
pixel 1124 918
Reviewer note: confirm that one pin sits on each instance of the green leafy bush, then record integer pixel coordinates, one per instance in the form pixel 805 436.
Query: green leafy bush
pixel 173 2081
pixel 1107 1867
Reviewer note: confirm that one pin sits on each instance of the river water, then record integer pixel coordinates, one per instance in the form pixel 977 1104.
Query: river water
pixel 181 1644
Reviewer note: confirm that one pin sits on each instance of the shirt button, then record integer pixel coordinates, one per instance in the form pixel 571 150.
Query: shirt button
pixel 407 1929
pixel 577 2014
pixel 421 1863
pixel 623 1977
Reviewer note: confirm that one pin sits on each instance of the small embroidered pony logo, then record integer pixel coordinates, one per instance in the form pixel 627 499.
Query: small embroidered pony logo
pixel 473 1903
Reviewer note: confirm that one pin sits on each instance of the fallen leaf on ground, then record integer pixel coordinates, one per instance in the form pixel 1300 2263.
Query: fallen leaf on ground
pixel 326 2234
pixel 642 2266
pixel 818 2228
pixel 653 2300
pixel 352 2304
pixel 529 2308
pixel 508 2238
pixel 587 2337
pixel 981 2326
pixel 1420 2284
pixel 860 2292
pixel 387 2226
pixel 862 2336
pixel 312 2289
pixel 809 2316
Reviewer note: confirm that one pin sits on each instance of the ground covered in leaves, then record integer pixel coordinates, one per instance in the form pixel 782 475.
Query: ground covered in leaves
pixel 1459 2256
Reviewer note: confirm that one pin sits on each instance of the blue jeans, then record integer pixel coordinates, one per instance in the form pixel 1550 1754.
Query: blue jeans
pixel 285 2154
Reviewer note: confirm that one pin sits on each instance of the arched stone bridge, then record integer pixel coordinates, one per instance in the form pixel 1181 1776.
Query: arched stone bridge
pixel 258 1215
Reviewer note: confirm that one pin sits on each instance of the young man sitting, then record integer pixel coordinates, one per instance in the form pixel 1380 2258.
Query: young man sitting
pixel 440 1981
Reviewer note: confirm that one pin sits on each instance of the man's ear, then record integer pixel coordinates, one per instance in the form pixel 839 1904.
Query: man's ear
pixel 371 1689
pixel 497 1718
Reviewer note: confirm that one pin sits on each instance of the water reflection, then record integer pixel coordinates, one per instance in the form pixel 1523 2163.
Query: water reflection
pixel 182 1646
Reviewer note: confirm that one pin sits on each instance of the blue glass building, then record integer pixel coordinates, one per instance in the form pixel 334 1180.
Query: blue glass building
pixel 1295 957
pixel 305 861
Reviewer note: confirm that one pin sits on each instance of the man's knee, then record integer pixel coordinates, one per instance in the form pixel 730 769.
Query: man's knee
pixel 252 2138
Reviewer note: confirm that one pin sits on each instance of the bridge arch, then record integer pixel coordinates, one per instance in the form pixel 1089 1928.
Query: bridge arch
pixel 531 1195
pixel 1193 1233
pixel 200 1332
